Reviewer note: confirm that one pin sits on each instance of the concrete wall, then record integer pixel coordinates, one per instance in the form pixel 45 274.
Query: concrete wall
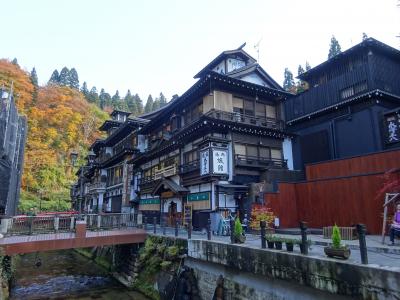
pixel 262 274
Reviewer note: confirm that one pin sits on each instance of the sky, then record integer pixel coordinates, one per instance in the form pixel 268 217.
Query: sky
pixel 158 46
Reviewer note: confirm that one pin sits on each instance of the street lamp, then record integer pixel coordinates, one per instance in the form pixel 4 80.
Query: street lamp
pixel 90 157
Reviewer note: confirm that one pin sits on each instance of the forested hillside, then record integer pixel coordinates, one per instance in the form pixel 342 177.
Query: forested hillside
pixel 62 116
pixel 59 120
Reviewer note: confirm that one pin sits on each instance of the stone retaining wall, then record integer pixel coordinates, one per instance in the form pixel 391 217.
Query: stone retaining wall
pixel 274 270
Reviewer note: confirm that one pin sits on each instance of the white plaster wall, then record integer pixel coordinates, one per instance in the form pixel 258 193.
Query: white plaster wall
pixel 254 78
pixel 288 152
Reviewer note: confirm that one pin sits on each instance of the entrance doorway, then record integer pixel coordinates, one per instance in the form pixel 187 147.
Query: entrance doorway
pixel 172 213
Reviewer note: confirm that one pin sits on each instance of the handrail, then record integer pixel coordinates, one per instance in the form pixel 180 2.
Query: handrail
pixel 190 166
pixel 261 161
pixel 28 225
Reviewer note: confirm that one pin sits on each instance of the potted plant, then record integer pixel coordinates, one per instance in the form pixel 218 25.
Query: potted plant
pixel 270 241
pixel 278 243
pixel 238 232
pixel 337 249
pixel 290 244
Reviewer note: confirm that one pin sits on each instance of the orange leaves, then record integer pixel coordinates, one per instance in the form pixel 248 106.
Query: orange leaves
pixel 22 85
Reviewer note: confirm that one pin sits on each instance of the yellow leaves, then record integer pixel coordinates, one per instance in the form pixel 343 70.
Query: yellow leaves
pixel 22 85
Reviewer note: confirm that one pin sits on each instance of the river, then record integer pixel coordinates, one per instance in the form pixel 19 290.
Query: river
pixel 65 274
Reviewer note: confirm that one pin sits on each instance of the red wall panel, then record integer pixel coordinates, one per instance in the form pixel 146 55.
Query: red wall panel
pixel 372 163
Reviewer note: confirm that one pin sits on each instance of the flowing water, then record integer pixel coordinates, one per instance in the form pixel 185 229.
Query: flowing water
pixel 65 274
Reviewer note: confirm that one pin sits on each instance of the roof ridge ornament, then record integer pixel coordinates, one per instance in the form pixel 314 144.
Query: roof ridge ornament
pixel 241 46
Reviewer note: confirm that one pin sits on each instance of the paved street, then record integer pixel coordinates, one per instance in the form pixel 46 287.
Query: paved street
pixel 378 254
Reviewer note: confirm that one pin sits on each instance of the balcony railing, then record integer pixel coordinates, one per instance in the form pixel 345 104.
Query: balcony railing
pixel 270 123
pixel 260 162
pixel 166 172
pixel 96 186
pixel 189 167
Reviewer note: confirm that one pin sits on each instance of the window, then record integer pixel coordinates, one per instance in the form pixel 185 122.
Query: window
pixel 190 156
pixel 260 110
pixel 264 152
pixel 270 111
pixel 251 150
pixel 248 107
pixel 240 149
pixel 276 153
pixel 237 105
pixel 354 89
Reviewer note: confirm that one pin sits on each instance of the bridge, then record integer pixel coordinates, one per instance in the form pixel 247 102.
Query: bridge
pixel 26 234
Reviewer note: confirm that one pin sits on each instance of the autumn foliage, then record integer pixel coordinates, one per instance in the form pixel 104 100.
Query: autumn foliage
pixel 261 213
pixel 59 121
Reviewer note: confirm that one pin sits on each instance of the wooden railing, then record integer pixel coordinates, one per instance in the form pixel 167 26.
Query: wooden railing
pixel 260 162
pixel 270 123
pixel 29 225
pixel 96 186
pixel 189 167
pixel 166 172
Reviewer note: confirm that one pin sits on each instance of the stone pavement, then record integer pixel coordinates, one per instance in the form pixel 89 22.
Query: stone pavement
pixel 379 255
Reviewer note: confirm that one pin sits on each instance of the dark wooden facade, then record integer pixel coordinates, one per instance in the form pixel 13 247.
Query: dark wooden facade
pixel 342 112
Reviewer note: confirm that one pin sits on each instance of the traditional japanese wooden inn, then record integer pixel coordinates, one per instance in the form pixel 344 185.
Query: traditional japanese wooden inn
pixel 209 148
pixel 107 181
pixel 351 107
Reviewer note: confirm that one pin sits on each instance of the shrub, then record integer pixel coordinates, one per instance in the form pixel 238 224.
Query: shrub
pixel 238 230
pixel 260 213
pixel 336 238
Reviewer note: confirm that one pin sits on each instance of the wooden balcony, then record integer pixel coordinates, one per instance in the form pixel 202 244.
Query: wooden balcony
pixel 260 162
pixel 263 122
pixel 190 167
pixel 96 187
pixel 166 172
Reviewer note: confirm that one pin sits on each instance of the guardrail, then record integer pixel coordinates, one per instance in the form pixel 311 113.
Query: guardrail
pixel 29 225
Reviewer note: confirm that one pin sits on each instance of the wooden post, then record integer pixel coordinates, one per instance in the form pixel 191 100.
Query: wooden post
pixel 263 226
pixel 384 218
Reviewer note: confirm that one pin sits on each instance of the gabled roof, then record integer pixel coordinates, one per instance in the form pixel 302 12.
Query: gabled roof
pixel 109 124
pixel 369 42
pixel 254 67
pixel 168 184
pixel 119 112
pixel 229 53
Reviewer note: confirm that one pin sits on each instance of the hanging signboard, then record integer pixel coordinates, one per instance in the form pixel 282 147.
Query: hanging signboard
pixel 220 161
pixel 187 214
pixel 204 162
pixel 392 128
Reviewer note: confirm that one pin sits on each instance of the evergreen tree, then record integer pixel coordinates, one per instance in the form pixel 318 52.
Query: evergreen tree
pixel 85 91
pixel 35 82
pixel 300 70
pixel 364 36
pixel 149 104
pixel 64 77
pixel 288 81
pixel 73 79
pixel 130 103
pixel 55 78
pixel 34 77
pixel 156 104
pixel 93 96
pixel 334 48
pixel 116 97
pixel 15 62
pixel 105 99
pixel 308 67
pixel 163 100
pixel 139 104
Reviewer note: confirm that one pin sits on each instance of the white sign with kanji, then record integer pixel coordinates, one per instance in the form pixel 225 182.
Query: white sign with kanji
pixel 204 162
pixel 220 161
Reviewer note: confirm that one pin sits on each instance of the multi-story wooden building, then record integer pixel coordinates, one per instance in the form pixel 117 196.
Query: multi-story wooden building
pixel 351 106
pixel 207 149
pixel 107 181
